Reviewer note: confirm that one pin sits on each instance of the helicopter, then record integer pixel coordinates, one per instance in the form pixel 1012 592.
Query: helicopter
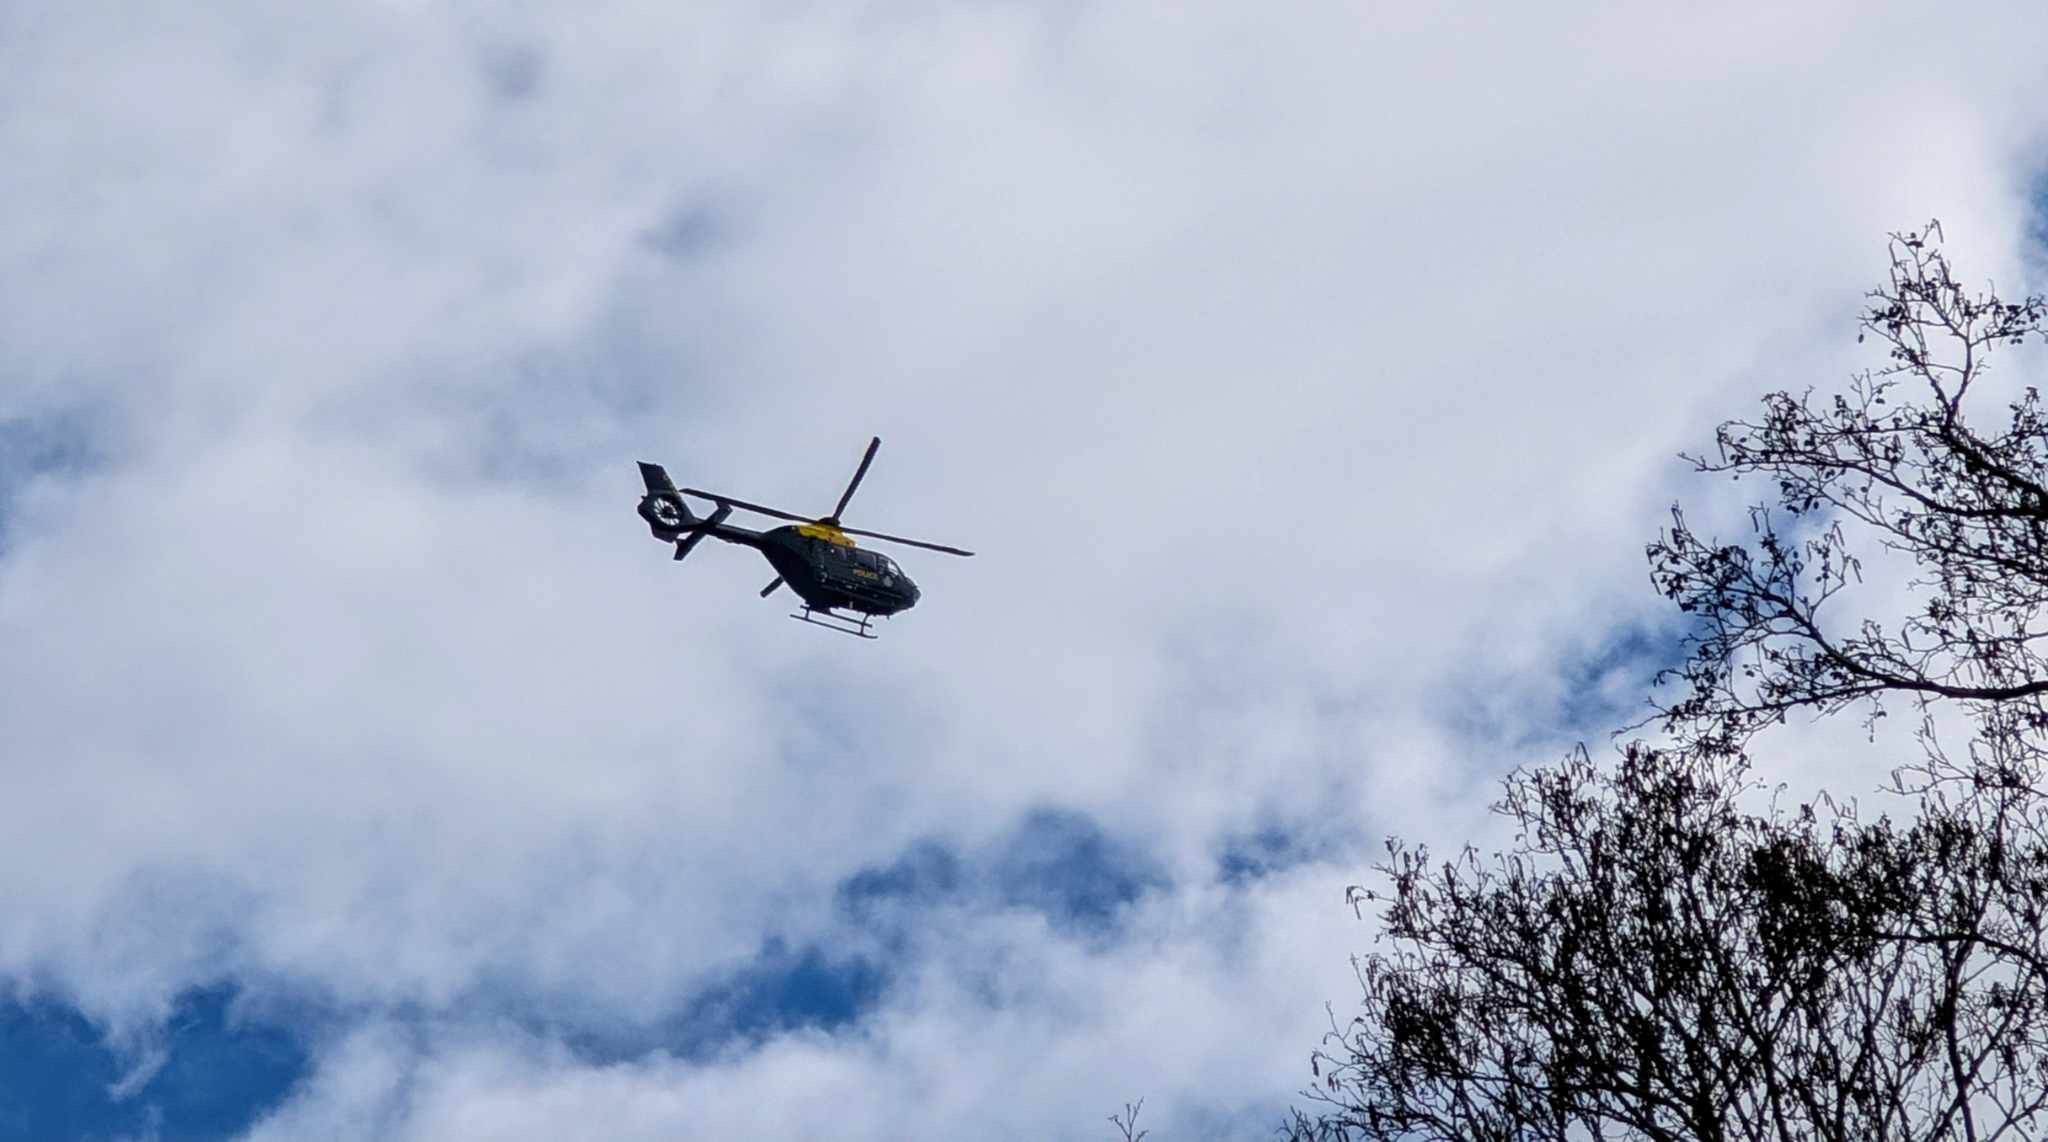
pixel 815 557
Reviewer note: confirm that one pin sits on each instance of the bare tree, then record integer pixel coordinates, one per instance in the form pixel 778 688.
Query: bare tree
pixel 1666 951
pixel 1893 458
pixel 1653 960
pixel 1126 1123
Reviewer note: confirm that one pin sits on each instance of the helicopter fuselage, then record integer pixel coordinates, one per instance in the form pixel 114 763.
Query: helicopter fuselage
pixel 824 567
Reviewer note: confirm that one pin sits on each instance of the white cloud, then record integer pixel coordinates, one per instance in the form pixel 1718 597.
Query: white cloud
pixel 1308 382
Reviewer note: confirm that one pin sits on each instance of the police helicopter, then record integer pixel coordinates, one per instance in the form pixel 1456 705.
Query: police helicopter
pixel 816 557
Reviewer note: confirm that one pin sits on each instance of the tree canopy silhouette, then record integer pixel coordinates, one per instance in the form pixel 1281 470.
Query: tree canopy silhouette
pixel 1668 949
pixel 1897 459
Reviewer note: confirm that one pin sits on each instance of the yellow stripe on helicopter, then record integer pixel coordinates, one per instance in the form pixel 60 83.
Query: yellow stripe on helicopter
pixel 826 532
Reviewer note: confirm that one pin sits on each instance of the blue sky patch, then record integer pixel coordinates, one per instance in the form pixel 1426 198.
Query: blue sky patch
pixel 1610 686
pixel 1061 863
pixel 1058 862
pixel 782 989
pixel 927 875
pixel 1252 856
pixel 218 1073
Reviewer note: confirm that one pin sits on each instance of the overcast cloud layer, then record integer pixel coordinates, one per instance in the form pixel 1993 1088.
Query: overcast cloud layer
pixel 1307 377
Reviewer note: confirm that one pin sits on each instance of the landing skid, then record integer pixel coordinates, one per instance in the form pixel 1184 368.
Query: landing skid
pixel 832 620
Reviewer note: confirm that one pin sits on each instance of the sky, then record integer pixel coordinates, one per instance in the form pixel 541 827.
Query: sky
pixel 1306 377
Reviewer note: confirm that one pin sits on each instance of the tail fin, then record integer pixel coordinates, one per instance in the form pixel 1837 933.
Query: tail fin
pixel 662 507
pixel 656 479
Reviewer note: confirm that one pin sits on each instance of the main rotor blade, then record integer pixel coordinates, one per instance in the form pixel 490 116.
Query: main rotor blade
pixel 865 460
pixel 906 542
pixel 770 588
pixel 778 513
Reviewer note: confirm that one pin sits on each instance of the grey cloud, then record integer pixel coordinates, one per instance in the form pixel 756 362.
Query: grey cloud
pixel 689 231
pixel 515 72
pixel 1308 382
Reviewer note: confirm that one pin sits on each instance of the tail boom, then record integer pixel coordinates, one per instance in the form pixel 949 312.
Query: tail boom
pixel 670 520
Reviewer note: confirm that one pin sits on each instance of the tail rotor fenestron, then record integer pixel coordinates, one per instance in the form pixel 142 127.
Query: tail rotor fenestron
pixel 668 515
